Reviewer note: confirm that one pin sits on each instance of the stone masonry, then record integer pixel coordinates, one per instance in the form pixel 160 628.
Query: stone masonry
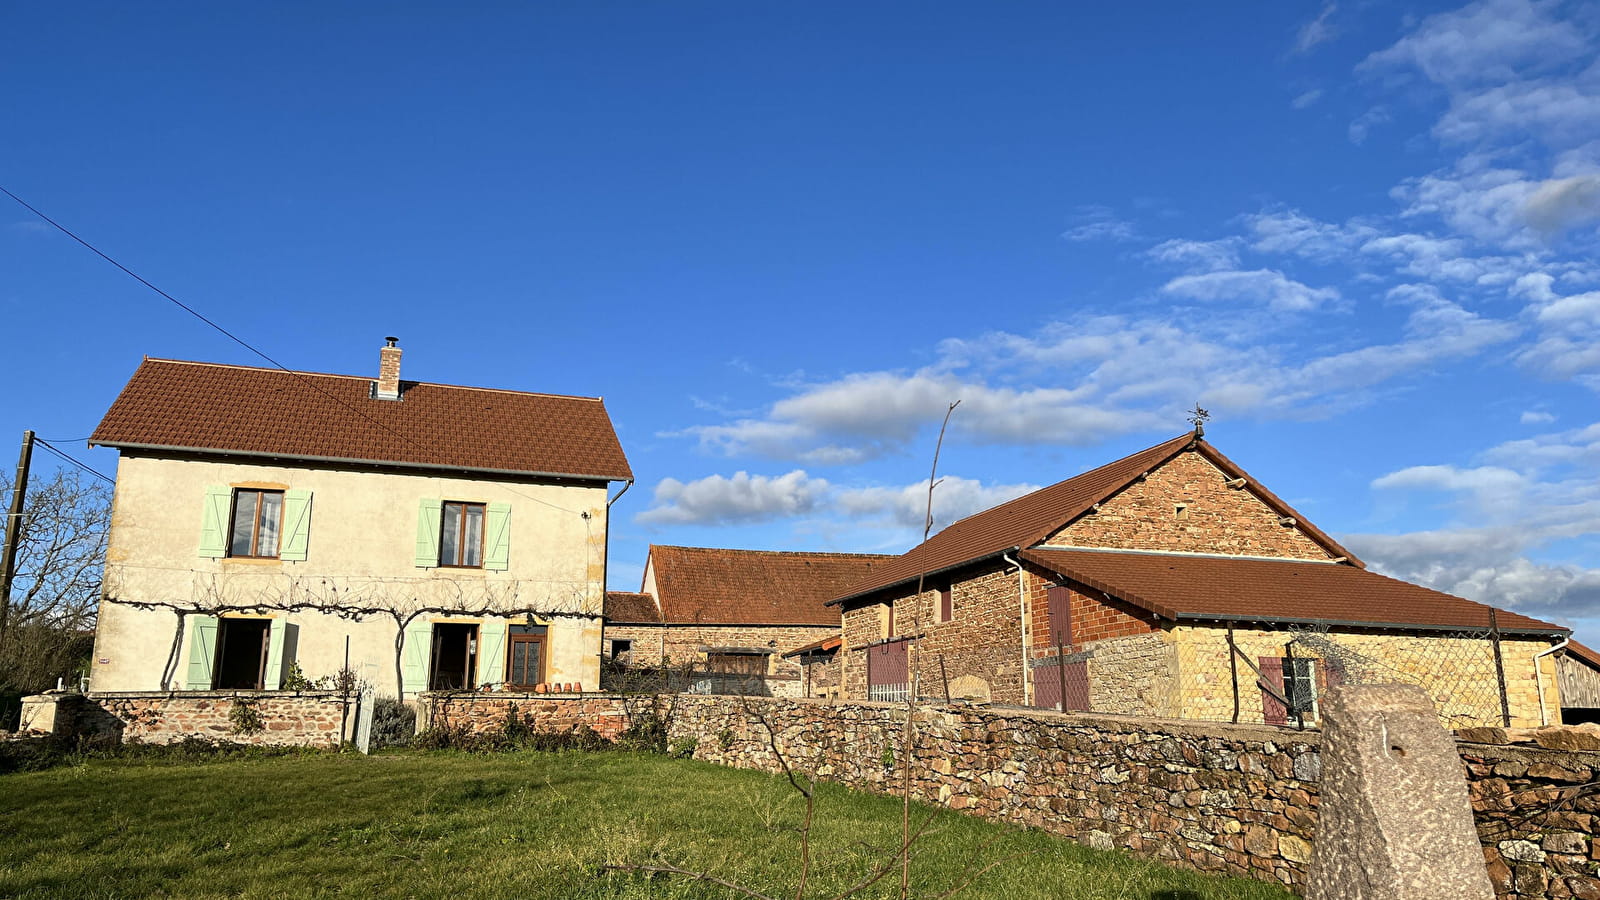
pixel 1186 505
pixel 312 719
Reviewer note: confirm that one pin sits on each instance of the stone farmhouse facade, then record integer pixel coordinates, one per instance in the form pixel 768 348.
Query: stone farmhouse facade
pixel 270 523
pixel 709 611
pixel 1171 583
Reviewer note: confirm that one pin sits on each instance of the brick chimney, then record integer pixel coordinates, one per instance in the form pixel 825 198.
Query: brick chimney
pixel 388 384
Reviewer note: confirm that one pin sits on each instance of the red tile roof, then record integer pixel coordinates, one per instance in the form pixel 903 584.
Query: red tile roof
pixel 170 404
pixel 1031 518
pixel 1250 589
pixel 703 585
pixel 629 608
pixel 1584 653
pixel 830 644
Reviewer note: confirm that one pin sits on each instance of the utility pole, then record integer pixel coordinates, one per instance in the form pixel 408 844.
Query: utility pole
pixel 8 556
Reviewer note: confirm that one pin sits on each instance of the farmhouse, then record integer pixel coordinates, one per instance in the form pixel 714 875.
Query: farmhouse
pixel 271 523
pixel 1171 583
pixel 717 612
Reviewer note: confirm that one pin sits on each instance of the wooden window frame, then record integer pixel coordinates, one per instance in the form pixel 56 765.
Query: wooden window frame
pixel 461 532
pixel 255 525
pixel 946 610
pixel 512 640
pixel 713 657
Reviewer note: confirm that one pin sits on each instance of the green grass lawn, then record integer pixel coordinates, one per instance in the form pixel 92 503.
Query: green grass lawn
pixel 524 825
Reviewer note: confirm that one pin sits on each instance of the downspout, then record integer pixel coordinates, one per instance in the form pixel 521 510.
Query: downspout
pixel 1538 679
pixel 1022 607
pixel 605 575
pixel 605 564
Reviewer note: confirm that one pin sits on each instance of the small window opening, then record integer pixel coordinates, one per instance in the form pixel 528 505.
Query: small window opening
pixel 1180 511
pixel 619 647
pixel 455 657
pixel 947 606
pixel 241 654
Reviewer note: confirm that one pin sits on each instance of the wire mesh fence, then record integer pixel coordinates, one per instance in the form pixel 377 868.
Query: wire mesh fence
pixel 1278 677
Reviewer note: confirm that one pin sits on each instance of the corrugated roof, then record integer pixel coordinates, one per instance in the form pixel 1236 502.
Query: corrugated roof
pixel 631 608
pixel 710 586
pixel 1251 589
pixel 172 404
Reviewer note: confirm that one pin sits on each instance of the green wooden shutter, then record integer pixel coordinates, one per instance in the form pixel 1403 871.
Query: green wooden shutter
pixel 499 556
pixel 415 657
pixel 214 521
pixel 272 680
pixel 491 652
pixel 296 525
pixel 202 651
pixel 428 514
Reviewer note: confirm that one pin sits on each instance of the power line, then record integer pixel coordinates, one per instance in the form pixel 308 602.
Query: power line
pixel 236 339
pixel 84 466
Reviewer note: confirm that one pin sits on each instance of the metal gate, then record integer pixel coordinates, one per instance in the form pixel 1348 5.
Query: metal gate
pixel 888 677
pixel 1049 678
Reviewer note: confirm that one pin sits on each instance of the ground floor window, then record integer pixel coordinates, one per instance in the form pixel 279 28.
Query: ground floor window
pixel 525 656
pixel 241 662
pixel 733 663
pixel 455 657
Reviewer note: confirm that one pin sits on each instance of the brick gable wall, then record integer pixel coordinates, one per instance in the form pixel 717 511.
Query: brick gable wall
pixel 1216 518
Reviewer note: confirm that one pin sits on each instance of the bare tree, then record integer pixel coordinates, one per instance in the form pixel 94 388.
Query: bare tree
pixel 61 551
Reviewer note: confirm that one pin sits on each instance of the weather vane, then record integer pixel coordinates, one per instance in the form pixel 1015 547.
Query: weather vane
pixel 1198 417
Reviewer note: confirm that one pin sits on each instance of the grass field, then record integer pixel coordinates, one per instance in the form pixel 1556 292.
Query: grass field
pixel 524 825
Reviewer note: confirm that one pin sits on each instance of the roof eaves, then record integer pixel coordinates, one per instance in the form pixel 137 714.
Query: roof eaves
pixel 1356 623
pixel 928 574
pixel 1105 588
pixel 399 464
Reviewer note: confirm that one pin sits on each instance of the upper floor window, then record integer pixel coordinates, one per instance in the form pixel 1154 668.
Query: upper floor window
pixel 257 521
pixel 461 535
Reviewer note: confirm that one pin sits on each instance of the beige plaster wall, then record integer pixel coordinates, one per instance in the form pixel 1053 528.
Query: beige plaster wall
pixel 360 554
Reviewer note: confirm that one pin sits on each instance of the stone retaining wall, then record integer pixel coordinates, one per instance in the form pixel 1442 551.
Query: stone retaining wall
pixel 1233 799
pixel 607 714
pixel 311 719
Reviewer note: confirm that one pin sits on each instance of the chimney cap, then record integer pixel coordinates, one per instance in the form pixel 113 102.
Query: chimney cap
pixel 393 341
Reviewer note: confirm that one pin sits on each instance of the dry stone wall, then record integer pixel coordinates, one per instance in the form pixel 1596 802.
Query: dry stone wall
pixel 313 719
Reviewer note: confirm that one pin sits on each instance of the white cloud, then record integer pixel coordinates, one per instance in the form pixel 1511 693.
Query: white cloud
pixel 1562 203
pixel 1486 566
pixel 954 498
pixel 719 500
pixel 1361 126
pixel 1535 417
pixel 744 498
pixel 1317 30
pixel 1265 286
pixel 1204 256
pixel 1306 99
pixel 1292 232
pixel 1099 223
pixel 1486 42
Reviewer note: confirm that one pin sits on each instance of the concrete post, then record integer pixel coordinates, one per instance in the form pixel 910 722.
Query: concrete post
pixel 1395 822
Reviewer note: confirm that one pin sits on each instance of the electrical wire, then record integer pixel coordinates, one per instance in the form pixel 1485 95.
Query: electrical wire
pixel 237 340
pixel 63 455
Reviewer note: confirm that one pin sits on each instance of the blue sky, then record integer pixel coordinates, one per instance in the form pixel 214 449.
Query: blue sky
pixel 778 239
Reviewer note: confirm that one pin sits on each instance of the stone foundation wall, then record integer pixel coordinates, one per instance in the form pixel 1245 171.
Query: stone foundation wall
pixel 607 714
pixel 312 719
pixel 1232 799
